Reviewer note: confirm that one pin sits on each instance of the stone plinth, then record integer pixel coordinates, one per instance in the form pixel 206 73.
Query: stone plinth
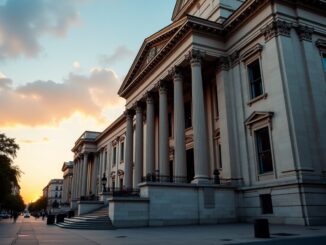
pixel 128 211
pixel 88 206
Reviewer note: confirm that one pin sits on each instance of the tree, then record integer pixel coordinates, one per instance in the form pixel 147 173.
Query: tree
pixel 9 173
pixel 39 205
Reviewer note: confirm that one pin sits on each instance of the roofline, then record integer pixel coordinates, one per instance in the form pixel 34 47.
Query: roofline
pixel 121 119
pixel 147 41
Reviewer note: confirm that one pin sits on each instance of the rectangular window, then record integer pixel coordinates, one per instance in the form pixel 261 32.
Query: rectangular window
pixel 105 160
pixel 255 79
pixel 188 122
pixel 114 160
pixel 122 146
pixel 170 124
pixel 220 155
pixel 266 203
pixel 324 61
pixel 264 153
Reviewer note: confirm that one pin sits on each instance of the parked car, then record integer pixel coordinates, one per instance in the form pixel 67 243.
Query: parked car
pixel 4 215
pixel 27 215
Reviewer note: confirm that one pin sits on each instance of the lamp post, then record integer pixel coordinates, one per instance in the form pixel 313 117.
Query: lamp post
pixel 104 181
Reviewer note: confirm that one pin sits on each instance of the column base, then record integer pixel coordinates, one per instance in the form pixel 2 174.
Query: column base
pixel 200 179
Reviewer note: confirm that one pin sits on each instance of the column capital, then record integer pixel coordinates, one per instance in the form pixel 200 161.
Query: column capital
pixel 195 57
pixel 162 87
pixel 149 97
pixel 129 113
pixel 175 73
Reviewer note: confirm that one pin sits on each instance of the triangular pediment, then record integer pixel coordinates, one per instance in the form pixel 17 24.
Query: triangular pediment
pixel 150 48
pixel 180 8
pixel 257 116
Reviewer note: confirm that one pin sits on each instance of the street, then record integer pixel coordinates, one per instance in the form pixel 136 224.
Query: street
pixel 30 231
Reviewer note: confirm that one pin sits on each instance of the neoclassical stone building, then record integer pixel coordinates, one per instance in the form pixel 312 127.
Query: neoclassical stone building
pixel 225 120
pixel 67 169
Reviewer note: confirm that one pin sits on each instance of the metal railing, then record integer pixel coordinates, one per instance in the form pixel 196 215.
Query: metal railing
pixel 89 198
pixel 122 192
pixel 216 180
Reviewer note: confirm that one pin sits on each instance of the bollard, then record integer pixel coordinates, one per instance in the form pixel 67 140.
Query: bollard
pixel 60 218
pixel 261 228
pixel 50 219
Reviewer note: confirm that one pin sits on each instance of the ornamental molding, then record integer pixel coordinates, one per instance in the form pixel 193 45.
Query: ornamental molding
pixel 320 43
pixel 259 117
pixel 120 172
pixel 276 28
pixel 257 49
pixel 305 32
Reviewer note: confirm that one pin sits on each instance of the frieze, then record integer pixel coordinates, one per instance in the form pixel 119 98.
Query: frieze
pixel 276 28
pixel 305 33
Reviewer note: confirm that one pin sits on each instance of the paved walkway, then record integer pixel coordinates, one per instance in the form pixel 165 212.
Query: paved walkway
pixel 31 231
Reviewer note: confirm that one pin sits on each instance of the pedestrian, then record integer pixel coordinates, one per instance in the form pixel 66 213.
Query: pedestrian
pixel 15 216
pixel 43 215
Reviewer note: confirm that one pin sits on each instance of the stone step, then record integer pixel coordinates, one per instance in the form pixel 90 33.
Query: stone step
pixel 97 220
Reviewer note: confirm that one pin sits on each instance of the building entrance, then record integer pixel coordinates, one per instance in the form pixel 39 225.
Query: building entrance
pixel 190 165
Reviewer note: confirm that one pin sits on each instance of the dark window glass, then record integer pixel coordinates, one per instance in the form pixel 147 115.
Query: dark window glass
pixel 170 124
pixel 188 122
pixel 216 101
pixel 256 86
pixel 264 153
pixel 220 155
pixel 114 155
pixel 324 61
pixel 122 146
pixel 266 203
pixel 105 160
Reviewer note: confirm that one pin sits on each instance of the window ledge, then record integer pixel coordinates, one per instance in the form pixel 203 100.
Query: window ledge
pixel 266 176
pixel 254 100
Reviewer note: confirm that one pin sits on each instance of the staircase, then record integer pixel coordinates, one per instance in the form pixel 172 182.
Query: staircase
pixel 97 220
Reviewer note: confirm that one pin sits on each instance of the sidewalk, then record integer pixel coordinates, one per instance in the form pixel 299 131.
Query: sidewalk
pixel 31 231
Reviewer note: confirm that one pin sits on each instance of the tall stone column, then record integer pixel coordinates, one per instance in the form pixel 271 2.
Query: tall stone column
pixel 78 178
pixel 150 135
pixel 129 149
pixel 139 146
pixel 73 186
pixel 84 175
pixel 163 131
pixel 179 128
pixel 199 120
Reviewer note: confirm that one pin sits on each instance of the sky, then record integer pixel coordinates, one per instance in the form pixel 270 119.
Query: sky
pixel 61 65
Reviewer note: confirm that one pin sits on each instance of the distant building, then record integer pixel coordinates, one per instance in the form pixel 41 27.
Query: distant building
pixel 225 120
pixel 67 169
pixel 53 191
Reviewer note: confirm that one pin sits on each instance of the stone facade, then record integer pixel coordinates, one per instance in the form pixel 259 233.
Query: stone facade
pixel 53 192
pixel 228 104
pixel 67 169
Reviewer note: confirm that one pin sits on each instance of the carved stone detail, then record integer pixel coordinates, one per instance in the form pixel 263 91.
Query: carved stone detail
pixel 195 56
pixel 320 43
pixel 277 27
pixel 224 63
pixel 305 33
pixel 234 58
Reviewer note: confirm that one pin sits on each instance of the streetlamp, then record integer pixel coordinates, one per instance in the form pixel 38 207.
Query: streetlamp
pixel 103 182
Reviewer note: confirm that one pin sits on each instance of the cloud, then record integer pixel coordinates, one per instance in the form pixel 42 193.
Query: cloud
pixel 48 102
pixel 120 53
pixel 76 65
pixel 29 141
pixel 23 22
